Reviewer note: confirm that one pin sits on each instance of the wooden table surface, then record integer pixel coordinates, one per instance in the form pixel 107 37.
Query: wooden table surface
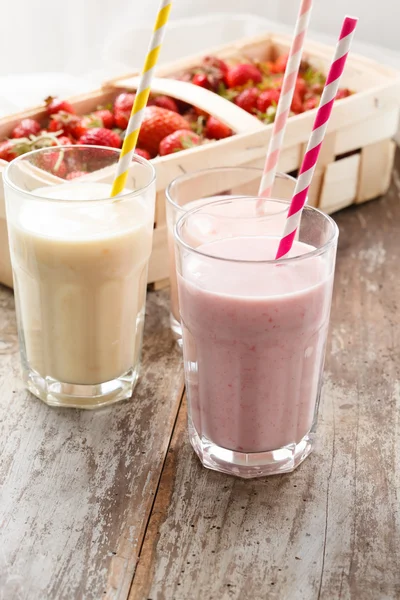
pixel 114 504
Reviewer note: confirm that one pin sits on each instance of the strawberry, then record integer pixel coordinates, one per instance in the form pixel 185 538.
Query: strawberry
pixel 268 67
pixel 216 130
pixel 179 140
pixel 10 149
pixel 121 118
pixel 317 88
pixel 248 99
pixel 75 175
pixel 46 139
pixel 69 124
pixel 166 102
pixel 122 109
pixel 201 80
pixel 266 99
pixel 55 105
pixel 311 103
pixel 199 112
pixel 100 136
pixel 216 71
pixel 26 128
pixel 56 124
pixel 124 102
pixel 157 124
pixel 91 120
pixel 273 68
pixel 76 163
pixel 243 73
pixel 52 162
pixel 64 140
pixel 197 120
pixel 269 116
pixel 213 63
pixel 343 93
pixel 301 87
pixel 7 151
pixel 297 105
pixel 280 63
pixel 77 129
pixel 143 153
pixel 105 116
pixel 211 74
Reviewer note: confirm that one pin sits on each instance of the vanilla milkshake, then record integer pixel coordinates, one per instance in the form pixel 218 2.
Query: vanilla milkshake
pixel 80 274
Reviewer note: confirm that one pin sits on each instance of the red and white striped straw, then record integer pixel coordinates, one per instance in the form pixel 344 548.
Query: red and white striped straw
pixel 317 136
pixel 285 100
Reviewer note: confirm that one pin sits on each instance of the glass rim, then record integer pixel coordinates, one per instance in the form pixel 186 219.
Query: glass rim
pixel 7 179
pixel 281 261
pixel 190 174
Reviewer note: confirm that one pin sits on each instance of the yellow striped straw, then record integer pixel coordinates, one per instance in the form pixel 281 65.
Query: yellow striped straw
pixel 142 96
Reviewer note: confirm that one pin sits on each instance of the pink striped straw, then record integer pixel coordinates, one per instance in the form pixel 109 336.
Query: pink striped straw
pixel 285 100
pixel 317 136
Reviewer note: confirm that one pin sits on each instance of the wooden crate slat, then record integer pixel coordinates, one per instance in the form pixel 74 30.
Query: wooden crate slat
pixel 326 157
pixel 158 266
pixel 375 170
pixel 313 198
pixel 376 128
pixel 160 285
pixel 160 216
pixel 339 188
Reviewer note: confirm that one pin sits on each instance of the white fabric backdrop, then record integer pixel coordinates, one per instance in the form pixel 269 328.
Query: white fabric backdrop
pixel 66 47
pixel 69 35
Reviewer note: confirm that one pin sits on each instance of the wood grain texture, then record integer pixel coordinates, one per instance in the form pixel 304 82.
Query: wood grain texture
pixel 77 487
pixel 331 529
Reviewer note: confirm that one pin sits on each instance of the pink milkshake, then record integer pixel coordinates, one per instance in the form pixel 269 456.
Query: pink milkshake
pixel 254 334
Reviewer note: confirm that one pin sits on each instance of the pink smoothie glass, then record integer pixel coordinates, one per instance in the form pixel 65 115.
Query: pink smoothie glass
pixel 254 333
pixel 194 189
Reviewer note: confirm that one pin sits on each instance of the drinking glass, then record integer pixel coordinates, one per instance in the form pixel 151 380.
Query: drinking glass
pixel 254 332
pixel 193 189
pixel 79 261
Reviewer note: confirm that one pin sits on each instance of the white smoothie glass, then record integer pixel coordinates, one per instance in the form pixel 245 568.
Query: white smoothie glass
pixel 254 333
pixel 199 187
pixel 80 262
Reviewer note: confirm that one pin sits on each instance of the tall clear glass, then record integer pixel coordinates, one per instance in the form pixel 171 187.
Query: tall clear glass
pixel 254 333
pixel 193 189
pixel 79 263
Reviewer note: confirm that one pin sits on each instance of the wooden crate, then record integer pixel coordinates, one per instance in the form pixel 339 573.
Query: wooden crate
pixel 355 162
